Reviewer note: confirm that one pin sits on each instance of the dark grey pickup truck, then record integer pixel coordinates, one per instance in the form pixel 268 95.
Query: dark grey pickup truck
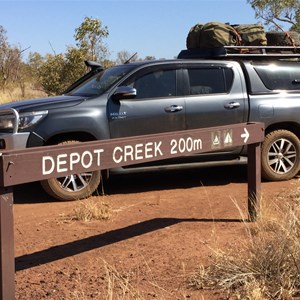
pixel 147 97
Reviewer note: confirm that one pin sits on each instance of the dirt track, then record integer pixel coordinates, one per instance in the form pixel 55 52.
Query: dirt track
pixel 163 225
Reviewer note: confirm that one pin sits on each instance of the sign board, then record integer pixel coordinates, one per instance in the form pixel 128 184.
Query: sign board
pixel 63 160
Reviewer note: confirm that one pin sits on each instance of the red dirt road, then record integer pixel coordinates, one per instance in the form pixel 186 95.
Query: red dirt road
pixel 163 225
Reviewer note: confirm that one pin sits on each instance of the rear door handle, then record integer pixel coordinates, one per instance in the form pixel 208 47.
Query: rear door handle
pixel 173 108
pixel 232 105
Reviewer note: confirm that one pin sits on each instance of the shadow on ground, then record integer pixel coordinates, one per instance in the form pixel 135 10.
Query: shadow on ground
pixel 94 242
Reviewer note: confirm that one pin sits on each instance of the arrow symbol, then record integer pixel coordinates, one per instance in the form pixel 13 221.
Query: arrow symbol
pixel 245 135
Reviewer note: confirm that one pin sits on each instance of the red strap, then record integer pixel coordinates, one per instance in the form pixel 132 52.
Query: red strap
pixel 290 37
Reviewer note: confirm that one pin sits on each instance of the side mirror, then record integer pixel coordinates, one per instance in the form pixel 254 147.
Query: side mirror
pixel 124 92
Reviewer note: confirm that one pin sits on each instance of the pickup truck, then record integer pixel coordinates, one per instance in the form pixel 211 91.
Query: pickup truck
pixel 146 97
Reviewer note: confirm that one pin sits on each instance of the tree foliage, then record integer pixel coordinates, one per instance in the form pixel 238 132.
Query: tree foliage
pixel 60 71
pixel 53 73
pixel 10 61
pixel 89 37
pixel 278 13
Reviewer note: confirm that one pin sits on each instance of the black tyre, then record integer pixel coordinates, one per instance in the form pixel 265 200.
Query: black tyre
pixel 72 187
pixel 280 155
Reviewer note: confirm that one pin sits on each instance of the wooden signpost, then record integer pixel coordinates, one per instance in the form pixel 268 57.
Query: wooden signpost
pixel 34 164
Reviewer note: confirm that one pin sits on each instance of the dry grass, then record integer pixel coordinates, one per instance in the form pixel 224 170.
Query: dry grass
pixel 131 285
pixel 12 94
pixel 267 265
pixel 119 286
pixel 91 209
pixel 115 284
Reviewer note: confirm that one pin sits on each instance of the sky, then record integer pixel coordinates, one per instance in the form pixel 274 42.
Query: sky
pixel 149 27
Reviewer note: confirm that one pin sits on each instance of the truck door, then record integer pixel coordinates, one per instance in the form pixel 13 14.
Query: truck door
pixel 215 96
pixel 158 105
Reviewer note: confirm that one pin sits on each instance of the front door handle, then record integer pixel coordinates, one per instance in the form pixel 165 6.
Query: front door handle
pixel 173 108
pixel 232 105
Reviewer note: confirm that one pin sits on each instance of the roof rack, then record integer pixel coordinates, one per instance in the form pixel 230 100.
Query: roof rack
pixel 249 52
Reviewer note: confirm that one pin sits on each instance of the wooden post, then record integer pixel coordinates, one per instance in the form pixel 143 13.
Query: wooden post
pixel 7 258
pixel 254 181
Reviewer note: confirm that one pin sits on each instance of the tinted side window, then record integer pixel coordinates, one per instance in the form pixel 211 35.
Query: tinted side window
pixel 284 76
pixel 156 84
pixel 209 80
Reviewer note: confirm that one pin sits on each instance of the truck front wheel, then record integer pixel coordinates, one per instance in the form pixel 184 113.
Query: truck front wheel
pixel 280 155
pixel 72 187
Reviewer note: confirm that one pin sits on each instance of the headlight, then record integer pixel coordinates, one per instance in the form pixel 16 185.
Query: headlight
pixel 25 119
pixel 28 119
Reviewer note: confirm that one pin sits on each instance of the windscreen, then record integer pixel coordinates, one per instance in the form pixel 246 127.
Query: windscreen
pixel 101 82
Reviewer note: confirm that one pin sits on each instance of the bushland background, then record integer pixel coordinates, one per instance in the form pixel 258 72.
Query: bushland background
pixel 25 74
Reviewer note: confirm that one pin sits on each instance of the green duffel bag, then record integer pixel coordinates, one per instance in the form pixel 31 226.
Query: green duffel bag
pixel 193 38
pixel 251 34
pixel 215 34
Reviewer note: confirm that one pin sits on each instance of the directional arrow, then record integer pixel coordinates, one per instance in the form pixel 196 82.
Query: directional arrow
pixel 245 135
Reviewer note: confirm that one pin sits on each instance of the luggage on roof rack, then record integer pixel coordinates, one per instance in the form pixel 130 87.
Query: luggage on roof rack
pixel 248 52
pixel 216 34
pixel 251 34
pixel 283 38
pixel 219 40
pixel 212 35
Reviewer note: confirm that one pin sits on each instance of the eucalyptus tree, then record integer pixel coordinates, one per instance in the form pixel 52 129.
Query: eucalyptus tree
pixel 278 13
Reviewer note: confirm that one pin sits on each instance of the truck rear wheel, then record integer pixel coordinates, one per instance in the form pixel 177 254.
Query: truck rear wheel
pixel 280 155
pixel 72 187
